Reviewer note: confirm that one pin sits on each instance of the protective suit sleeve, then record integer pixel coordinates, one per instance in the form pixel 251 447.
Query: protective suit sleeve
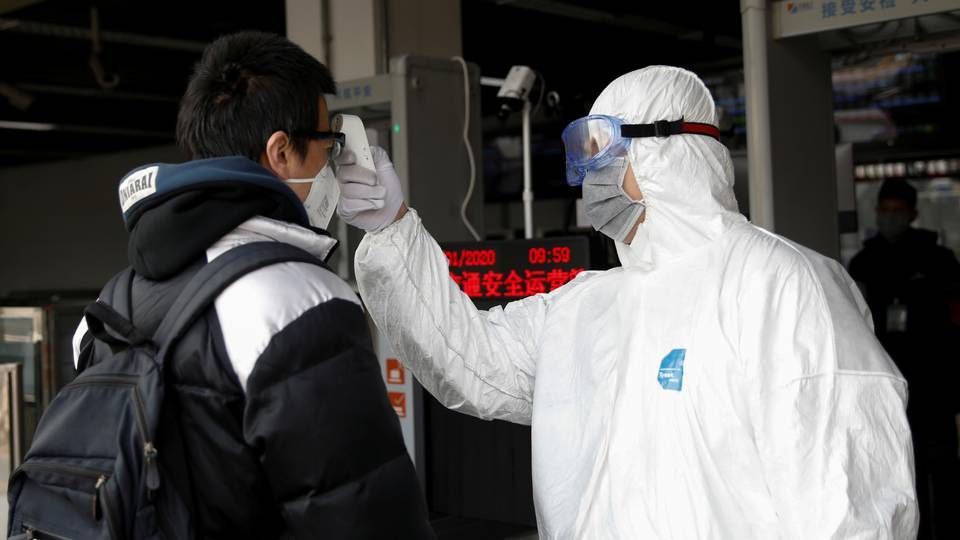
pixel 477 362
pixel 828 410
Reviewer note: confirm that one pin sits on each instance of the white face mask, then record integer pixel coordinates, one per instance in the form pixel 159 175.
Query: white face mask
pixel 321 201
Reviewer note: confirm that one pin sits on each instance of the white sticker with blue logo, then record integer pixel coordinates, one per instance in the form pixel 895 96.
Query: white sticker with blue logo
pixel 670 376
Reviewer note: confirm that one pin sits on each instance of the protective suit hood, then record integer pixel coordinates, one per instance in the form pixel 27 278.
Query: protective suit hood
pixel 686 180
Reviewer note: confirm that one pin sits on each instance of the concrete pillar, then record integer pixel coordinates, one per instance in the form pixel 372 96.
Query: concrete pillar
pixel 357 38
pixel 424 27
pixel 305 27
pixel 346 35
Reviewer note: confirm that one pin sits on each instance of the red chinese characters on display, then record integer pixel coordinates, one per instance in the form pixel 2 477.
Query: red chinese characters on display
pixel 471 284
pixel 492 281
pixel 536 282
pixel 512 284
pixel 557 277
pixel 502 272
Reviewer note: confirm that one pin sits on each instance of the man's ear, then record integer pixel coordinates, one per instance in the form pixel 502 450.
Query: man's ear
pixel 277 154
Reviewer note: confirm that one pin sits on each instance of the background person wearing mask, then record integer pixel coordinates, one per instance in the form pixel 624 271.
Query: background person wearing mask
pixel 723 383
pixel 909 282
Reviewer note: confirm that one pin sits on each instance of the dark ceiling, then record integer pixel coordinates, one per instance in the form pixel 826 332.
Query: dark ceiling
pixel 581 49
pixel 52 105
pixel 148 50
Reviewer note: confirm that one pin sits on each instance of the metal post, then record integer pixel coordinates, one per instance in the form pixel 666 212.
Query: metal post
pixel 756 79
pixel 11 377
pixel 527 175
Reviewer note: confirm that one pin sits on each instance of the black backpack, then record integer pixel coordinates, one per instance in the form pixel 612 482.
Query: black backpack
pixel 93 469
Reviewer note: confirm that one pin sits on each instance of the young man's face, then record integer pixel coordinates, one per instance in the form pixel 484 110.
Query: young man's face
pixel 284 161
pixel 316 156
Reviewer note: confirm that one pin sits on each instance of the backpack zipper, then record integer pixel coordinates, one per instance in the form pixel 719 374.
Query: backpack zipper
pixel 149 449
pixel 98 477
pixel 32 533
pixel 96 497
pixel 112 521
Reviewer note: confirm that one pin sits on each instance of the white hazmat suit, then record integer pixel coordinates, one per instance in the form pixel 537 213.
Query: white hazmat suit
pixel 723 383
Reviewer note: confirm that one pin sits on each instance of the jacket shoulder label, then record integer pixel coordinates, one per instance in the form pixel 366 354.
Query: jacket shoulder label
pixel 137 186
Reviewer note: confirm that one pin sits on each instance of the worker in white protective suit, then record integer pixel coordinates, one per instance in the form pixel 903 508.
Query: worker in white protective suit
pixel 723 383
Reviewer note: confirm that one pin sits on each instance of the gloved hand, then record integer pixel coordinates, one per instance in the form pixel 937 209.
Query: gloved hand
pixel 368 200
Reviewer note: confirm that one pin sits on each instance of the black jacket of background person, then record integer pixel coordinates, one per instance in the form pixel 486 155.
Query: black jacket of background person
pixel 278 397
pixel 921 275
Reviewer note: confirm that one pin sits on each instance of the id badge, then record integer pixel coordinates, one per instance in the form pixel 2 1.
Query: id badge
pixel 896 317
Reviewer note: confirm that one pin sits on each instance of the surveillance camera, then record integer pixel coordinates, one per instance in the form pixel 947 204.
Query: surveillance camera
pixel 516 89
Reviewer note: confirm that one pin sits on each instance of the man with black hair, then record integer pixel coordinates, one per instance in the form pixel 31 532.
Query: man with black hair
pixel 280 405
pixel 909 282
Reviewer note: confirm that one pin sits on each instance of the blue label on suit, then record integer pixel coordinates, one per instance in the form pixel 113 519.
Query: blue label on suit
pixel 671 370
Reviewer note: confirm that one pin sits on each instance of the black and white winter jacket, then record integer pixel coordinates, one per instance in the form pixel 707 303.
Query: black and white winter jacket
pixel 278 399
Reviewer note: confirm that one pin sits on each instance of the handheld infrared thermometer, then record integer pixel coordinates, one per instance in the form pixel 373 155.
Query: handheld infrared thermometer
pixel 356 138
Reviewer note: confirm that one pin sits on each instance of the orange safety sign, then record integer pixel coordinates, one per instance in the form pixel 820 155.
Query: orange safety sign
pixel 395 373
pixel 399 402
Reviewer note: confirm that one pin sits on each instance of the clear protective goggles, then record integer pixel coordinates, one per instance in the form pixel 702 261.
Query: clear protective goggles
pixel 595 141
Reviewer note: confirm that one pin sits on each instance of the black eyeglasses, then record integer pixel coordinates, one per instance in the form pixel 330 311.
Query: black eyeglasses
pixel 338 138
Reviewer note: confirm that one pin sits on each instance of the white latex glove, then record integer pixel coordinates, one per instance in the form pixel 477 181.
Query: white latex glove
pixel 369 201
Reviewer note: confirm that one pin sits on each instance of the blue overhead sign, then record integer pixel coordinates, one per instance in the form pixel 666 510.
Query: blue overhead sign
pixel 799 17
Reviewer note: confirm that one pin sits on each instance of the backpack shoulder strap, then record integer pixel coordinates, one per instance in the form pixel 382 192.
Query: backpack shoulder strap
pixel 120 295
pixel 204 287
pixel 106 323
